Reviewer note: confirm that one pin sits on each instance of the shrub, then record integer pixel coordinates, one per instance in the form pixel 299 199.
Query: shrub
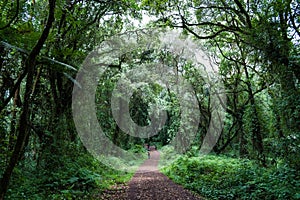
pixel 219 177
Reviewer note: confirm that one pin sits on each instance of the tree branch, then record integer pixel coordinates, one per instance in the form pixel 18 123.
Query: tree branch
pixel 12 92
pixel 14 17
pixel 242 9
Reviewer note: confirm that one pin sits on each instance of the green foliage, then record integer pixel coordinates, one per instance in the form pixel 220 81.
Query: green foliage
pixel 138 149
pixel 167 155
pixel 259 64
pixel 220 177
pixel 79 175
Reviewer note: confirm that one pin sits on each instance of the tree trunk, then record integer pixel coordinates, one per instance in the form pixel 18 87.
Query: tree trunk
pixel 16 103
pixel 242 144
pixel 257 139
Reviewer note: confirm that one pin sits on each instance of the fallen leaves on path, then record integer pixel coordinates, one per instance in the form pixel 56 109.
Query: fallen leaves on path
pixel 148 183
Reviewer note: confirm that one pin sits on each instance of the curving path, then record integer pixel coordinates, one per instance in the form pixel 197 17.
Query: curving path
pixel 148 183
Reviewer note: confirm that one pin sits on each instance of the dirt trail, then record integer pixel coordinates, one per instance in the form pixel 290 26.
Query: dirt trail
pixel 148 183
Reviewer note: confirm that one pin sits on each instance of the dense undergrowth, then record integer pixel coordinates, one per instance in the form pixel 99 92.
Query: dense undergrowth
pixel 72 175
pixel 221 177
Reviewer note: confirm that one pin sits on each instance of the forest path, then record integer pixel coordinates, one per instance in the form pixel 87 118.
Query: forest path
pixel 149 183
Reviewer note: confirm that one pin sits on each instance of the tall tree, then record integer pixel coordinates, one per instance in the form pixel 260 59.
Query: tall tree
pixel 23 125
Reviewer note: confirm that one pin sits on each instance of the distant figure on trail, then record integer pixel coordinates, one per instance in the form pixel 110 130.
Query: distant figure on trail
pixel 148 150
